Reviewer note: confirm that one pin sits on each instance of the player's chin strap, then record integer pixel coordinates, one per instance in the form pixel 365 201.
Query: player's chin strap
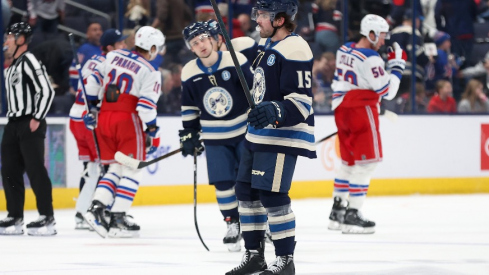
pixel 275 29
pixel 17 45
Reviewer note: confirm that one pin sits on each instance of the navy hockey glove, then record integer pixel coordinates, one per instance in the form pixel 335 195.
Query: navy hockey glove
pixel 152 139
pixel 266 113
pixel 90 118
pixel 189 141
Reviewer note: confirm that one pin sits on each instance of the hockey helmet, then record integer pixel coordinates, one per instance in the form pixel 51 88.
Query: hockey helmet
pixel 274 7
pixel 376 24
pixel 194 30
pixel 147 37
pixel 20 28
pixel 213 28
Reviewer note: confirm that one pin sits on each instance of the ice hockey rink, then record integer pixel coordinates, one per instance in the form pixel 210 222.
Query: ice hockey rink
pixel 416 234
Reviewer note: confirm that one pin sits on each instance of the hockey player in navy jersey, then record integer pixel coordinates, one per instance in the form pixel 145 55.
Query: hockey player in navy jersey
pixel 281 128
pixel 214 108
pixel 359 83
pixel 245 45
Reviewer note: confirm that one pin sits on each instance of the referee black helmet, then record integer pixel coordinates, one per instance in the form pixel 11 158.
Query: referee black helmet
pixel 19 29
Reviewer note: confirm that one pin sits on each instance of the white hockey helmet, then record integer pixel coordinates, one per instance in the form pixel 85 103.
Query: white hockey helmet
pixel 147 37
pixel 376 24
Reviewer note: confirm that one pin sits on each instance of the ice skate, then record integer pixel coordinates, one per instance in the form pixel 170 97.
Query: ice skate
pixel 337 215
pixel 121 227
pixel 80 223
pixel 233 235
pixel 283 265
pixel 95 218
pixel 43 226
pixel 356 224
pixel 253 262
pixel 11 226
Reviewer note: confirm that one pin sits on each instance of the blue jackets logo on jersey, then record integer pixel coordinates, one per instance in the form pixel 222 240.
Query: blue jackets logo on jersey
pixel 218 102
pixel 226 75
pixel 271 60
pixel 259 87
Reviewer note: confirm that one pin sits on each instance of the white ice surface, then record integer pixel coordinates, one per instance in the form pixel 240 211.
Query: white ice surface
pixel 415 235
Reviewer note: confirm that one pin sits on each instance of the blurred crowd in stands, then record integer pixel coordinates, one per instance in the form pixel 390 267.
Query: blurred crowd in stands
pixel 451 50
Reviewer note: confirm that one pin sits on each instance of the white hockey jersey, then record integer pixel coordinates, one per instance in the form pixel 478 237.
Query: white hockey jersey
pixel 76 111
pixel 133 75
pixel 363 70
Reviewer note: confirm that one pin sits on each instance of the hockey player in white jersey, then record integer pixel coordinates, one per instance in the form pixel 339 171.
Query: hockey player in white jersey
pixel 112 39
pixel 360 82
pixel 214 103
pixel 130 88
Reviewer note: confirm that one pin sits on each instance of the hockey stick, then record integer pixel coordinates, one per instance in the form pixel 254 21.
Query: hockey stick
pixel 388 114
pixel 138 164
pixel 229 45
pixel 195 199
pixel 84 94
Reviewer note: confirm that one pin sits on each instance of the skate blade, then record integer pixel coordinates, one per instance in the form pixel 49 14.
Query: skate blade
pixel 82 226
pixel 92 222
pixel 42 231
pixel 117 233
pixel 353 229
pixel 234 247
pixel 334 225
pixel 12 231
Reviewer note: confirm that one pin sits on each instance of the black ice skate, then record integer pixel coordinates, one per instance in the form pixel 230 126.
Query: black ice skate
pixel 233 235
pixel 80 223
pixel 11 226
pixel 121 227
pixel 283 265
pixel 43 226
pixel 253 262
pixel 337 215
pixel 95 217
pixel 356 224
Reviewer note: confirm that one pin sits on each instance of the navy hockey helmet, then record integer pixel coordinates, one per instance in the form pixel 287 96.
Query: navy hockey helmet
pixel 194 30
pixel 213 28
pixel 20 28
pixel 274 7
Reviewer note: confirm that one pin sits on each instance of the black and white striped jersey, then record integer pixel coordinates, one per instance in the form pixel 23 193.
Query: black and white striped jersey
pixel 29 91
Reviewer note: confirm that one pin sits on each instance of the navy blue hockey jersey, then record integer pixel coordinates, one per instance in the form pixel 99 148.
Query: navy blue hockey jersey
pixel 213 99
pixel 282 72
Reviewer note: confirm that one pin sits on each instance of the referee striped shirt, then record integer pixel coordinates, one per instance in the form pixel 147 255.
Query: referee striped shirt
pixel 29 91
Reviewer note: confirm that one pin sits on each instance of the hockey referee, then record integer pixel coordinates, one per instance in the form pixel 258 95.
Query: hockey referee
pixel 29 96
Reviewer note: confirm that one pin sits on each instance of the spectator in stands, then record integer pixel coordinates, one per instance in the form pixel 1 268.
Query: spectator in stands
pixel 322 77
pixel 45 16
pixel 398 10
pixel 404 105
pixel 242 7
pixel 445 65
pixel 92 46
pixel 457 18
pixel 172 17
pixel 479 70
pixel 170 99
pixel 442 101
pixel 15 17
pixel 327 19
pixel 403 36
pixel 429 23
pixel 136 14
pixel 473 99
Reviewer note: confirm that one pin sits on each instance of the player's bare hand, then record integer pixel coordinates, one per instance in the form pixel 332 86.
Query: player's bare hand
pixel 34 125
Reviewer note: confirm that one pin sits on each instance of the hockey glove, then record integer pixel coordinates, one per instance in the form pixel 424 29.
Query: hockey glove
pixel 396 59
pixel 152 139
pixel 267 113
pixel 189 141
pixel 90 118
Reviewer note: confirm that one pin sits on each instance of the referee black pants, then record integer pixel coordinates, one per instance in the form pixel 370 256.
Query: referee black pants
pixel 23 151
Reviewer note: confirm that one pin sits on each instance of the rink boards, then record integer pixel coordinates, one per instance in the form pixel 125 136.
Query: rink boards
pixel 422 154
